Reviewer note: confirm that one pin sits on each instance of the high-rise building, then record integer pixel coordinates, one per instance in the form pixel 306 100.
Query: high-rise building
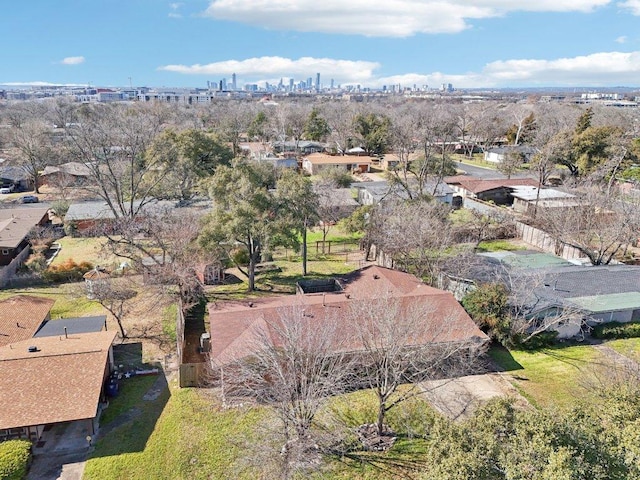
pixel 332 84
pixel 318 82
pixel 233 81
pixel 309 83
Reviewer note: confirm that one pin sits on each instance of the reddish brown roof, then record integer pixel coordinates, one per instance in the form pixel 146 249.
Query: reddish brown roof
pixel 325 159
pixel 478 185
pixel 60 382
pixel 21 316
pixel 236 325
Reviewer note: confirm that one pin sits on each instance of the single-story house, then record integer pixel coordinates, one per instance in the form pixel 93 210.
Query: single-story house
pixel 53 379
pixel 51 371
pixel 234 325
pixel 87 214
pixel 339 202
pixel 15 225
pixel 526 199
pixel 499 154
pixel 597 294
pixel 497 190
pixel 16 176
pixel 389 161
pixel 303 147
pixel 372 193
pixel 316 162
pixel 71 174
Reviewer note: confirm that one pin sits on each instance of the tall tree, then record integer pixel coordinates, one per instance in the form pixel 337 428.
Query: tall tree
pixel 35 149
pixel 244 213
pixel 191 156
pixel 113 141
pixel 523 129
pixel 297 206
pixel 415 235
pixel 600 226
pixel 316 127
pixel 374 132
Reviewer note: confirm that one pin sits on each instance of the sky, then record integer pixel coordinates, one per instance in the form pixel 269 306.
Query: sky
pixel 468 43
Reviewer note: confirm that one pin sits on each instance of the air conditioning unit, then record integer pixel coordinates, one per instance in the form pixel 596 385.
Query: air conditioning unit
pixel 205 342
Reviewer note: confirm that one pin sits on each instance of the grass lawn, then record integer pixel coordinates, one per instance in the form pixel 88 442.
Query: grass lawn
pixel 335 234
pixel 70 299
pixel 499 245
pixel 553 376
pixel 284 281
pixel 629 347
pixel 182 434
pixel 186 434
pixel 85 249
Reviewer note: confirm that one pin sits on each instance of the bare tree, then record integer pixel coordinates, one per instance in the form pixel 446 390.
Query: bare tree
pixel 407 342
pixel 165 243
pixel 414 234
pixel 33 144
pixel 112 141
pixel 116 299
pixel 600 226
pixel 533 306
pixel 297 363
pixel 328 212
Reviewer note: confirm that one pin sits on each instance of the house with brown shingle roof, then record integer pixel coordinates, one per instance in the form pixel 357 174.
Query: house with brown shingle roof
pixel 497 190
pixel 316 162
pixel 50 380
pixel 234 326
pixel 15 225
pixel 21 316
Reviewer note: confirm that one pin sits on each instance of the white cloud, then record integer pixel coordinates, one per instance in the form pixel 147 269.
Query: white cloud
pixel 277 67
pixel 376 18
pixel 621 39
pixel 174 10
pixel 597 69
pixel 633 5
pixel 72 61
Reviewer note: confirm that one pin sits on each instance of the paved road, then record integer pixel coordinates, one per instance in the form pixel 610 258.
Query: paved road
pixel 486 173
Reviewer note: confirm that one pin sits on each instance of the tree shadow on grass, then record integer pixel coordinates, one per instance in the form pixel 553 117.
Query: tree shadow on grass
pixel 135 412
pixel 503 360
pixel 401 461
pixel 560 354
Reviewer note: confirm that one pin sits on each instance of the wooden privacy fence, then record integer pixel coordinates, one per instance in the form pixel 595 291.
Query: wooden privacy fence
pixel 545 242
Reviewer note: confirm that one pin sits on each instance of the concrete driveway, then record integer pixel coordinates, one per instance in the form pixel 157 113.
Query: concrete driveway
pixel 458 398
pixel 61 453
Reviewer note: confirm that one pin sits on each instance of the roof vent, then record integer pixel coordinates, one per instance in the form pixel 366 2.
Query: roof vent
pixel 33 348
pixel 376 276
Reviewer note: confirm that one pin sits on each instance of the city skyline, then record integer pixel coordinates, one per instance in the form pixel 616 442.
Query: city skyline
pixel 479 44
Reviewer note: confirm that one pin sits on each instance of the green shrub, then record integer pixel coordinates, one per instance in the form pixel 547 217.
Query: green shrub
pixel 616 330
pixel 538 341
pixel 14 459
pixel 68 271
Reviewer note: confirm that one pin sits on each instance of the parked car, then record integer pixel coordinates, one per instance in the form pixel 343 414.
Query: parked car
pixel 29 199
pixel 7 189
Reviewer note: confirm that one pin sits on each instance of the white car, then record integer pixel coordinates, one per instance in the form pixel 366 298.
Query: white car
pixel 8 189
